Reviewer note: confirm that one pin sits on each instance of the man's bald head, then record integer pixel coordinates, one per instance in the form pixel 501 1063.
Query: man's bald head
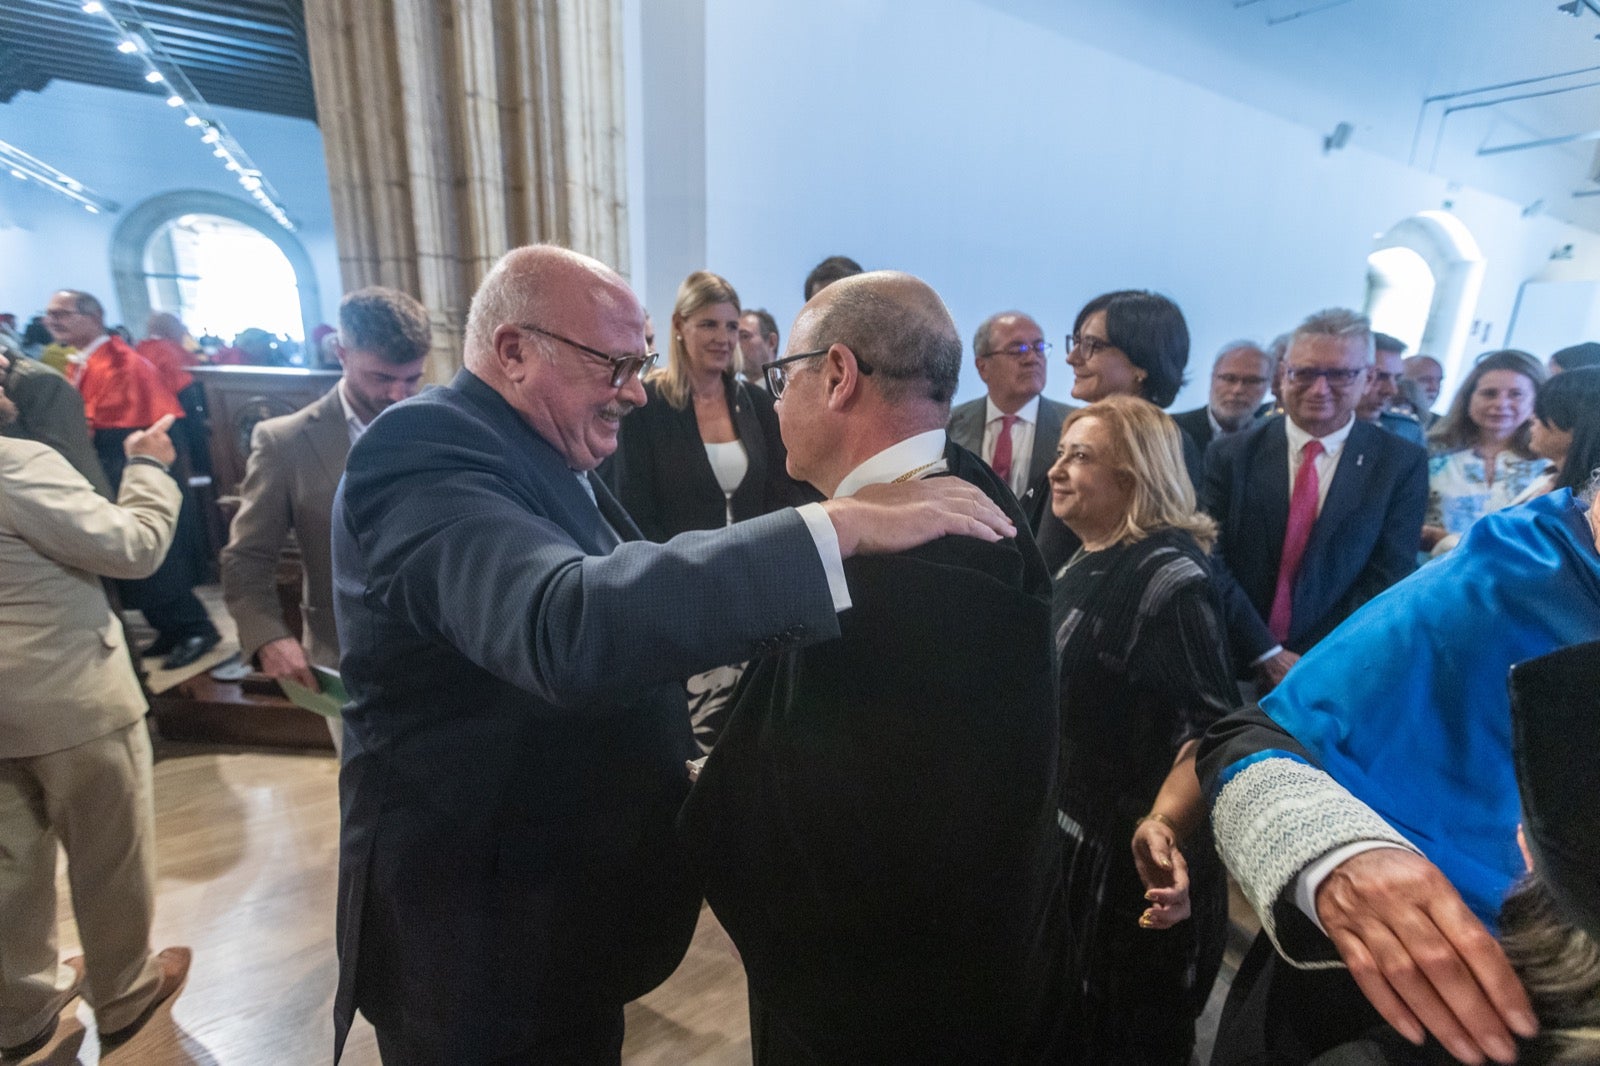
pixel 548 286
pixel 897 325
pixel 542 328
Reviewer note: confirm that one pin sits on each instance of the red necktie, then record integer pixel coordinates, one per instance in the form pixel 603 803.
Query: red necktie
pixel 1302 516
pixel 1001 463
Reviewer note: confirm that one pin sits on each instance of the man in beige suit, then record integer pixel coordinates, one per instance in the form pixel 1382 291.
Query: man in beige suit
pixel 295 465
pixel 74 751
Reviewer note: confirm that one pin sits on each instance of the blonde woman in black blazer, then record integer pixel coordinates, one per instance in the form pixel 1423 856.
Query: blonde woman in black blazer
pixel 704 451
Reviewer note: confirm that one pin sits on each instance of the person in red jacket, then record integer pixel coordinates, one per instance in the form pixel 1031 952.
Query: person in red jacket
pixel 122 393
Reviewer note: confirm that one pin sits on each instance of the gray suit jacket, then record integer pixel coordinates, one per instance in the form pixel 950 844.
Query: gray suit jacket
pixel 295 465
pixel 966 429
pixel 64 665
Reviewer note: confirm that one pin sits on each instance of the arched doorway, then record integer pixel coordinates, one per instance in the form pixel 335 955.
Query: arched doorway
pixel 1450 256
pixel 1400 290
pixel 222 277
pixel 138 246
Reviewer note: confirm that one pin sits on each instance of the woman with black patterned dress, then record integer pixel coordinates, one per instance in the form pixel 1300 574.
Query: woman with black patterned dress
pixel 1143 673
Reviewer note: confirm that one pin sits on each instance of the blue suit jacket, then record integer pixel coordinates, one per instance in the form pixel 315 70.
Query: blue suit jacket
pixel 514 749
pixel 1365 539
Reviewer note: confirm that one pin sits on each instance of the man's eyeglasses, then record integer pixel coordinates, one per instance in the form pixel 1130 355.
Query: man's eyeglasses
pixel 1089 346
pixel 778 374
pixel 1233 381
pixel 1020 351
pixel 624 368
pixel 1339 377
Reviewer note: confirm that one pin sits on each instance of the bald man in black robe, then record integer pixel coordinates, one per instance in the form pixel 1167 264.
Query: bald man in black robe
pixel 876 827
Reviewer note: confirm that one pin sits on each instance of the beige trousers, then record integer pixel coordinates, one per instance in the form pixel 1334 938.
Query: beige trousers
pixel 97 800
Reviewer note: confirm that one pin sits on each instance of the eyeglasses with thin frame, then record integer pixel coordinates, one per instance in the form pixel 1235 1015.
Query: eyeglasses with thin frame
pixel 624 368
pixel 1233 381
pixel 1339 377
pixel 1090 346
pixel 778 374
pixel 1022 351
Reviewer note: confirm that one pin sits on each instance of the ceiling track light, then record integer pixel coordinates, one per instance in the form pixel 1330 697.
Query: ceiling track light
pixel 29 168
pixel 133 35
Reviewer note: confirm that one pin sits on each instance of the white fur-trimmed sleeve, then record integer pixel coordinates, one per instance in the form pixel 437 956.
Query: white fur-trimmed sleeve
pixel 1274 818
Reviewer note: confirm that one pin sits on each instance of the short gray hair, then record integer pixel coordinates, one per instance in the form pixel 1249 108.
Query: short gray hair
pixel 1245 345
pixel 1337 322
pixel 910 343
pixel 980 337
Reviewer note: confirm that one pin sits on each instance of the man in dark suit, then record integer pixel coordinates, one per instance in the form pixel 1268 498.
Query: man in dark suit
pixel 295 465
pixel 514 750
pixel 1317 511
pixel 1239 380
pixel 1014 429
pixel 877 824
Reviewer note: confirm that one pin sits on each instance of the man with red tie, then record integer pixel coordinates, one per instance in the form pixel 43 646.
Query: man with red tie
pixel 1013 429
pixel 1317 510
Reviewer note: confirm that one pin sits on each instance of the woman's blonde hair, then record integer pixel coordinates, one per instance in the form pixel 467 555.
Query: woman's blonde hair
pixel 1559 965
pixel 700 289
pixel 1147 452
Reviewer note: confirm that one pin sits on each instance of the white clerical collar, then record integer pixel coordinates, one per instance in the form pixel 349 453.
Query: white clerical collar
pixel 1299 438
pixel 89 349
pixel 919 456
pixel 1028 412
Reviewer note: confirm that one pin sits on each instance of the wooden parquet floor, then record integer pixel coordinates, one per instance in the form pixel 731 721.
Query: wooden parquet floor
pixel 247 852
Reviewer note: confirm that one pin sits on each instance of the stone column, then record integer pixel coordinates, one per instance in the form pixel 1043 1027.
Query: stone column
pixel 456 130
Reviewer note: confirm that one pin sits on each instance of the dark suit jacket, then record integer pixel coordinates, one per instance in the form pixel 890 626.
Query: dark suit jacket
pixel 966 429
pixel 294 468
pixel 662 476
pixel 50 411
pixel 514 749
pixel 877 824
pixel 1197 424
pixel 1365 539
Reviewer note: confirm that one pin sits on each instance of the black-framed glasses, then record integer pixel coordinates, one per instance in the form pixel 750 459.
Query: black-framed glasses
pixel 1090 346
pixel 778 374
pixel 1020 351
pixel 1339 377
pixel 624 368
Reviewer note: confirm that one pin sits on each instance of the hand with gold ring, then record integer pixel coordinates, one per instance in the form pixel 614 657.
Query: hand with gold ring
pixel 1163 870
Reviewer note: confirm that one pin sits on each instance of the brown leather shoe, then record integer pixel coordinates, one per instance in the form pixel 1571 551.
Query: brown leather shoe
pixel 173 965
pixel 18 1052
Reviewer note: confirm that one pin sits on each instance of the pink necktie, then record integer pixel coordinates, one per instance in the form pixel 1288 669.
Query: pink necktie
pixel 1302 516
pixel 1001 463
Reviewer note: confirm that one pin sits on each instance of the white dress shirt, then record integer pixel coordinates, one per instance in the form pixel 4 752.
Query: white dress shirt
pixel 1021 441
pixel 1327 463
pixel 352 421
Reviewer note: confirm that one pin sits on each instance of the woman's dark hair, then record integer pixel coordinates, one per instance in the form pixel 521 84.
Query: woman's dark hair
pixel 1456 430
pixel 1577 357
pixel 1565 398
pixel 1149 329
pixel 1571 402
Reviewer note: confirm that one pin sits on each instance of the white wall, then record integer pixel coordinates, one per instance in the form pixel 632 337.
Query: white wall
pixel 129 147
pixel 1010 165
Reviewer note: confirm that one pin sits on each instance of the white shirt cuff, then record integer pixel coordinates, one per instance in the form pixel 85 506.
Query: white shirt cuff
pixel 1311 878
pixel 1264 656
pixel 827 540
